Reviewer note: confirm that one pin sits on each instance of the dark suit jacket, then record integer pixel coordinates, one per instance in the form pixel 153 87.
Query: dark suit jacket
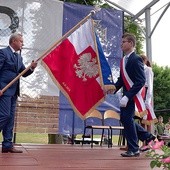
pixel 135 70
pixel 9 69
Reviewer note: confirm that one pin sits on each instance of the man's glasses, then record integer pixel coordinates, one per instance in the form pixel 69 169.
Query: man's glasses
pixel 125 41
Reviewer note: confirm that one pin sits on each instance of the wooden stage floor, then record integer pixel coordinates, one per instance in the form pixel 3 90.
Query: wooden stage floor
pixel 70 157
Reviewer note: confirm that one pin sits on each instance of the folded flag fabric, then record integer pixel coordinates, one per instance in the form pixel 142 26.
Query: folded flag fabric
pixel 105 70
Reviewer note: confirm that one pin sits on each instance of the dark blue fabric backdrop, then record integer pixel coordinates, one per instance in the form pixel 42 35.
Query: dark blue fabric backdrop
pixel 109 24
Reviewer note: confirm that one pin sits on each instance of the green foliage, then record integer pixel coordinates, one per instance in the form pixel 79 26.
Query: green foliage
pixel 105 5
pixel 155 163
pixel 135 29
pixel 161 87
pixel 41 138
pixel 84 2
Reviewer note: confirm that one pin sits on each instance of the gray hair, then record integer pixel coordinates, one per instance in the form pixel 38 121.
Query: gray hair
pixel 14 36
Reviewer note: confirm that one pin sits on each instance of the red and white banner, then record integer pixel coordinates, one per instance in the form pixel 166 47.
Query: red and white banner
pixel 73 66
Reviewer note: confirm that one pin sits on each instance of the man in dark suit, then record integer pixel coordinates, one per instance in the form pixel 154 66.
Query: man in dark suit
pixel 132 79
pixel 11 65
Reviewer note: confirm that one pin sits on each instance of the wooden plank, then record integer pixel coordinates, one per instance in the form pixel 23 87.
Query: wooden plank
pixel 71 157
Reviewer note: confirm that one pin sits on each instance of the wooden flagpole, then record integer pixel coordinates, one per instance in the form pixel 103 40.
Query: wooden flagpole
pixel 52 47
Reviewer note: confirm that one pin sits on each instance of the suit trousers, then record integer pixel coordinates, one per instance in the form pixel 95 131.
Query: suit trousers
pixel 133 132
pixel 7 116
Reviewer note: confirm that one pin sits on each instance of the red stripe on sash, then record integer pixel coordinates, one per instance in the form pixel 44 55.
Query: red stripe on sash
pixel 138 99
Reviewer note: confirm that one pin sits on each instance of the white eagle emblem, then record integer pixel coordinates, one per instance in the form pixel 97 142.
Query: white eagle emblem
pixel 86 67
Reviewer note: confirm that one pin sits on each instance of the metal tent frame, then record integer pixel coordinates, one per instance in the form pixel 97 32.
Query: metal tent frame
pixel 148 32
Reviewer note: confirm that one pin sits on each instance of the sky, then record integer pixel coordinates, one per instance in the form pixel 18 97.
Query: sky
pixel 161 36
pixel 161 41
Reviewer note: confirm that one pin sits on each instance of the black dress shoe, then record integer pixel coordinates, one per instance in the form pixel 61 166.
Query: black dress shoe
pixel 150 138
pixel 144 149
pixel 11 150
pixel 130 154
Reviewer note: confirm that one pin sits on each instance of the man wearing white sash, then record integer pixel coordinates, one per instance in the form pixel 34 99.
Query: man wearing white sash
pixel 132 79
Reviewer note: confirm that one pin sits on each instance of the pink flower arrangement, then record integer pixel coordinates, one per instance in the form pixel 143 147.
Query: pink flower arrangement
pixel 156 145
pixel 160 155
pixel 166 160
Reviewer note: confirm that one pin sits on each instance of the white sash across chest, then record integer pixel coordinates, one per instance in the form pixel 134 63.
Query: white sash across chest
pixel 138 99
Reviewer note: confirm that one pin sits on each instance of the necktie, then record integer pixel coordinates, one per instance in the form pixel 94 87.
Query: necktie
pixel 16 58
pixel 126 60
